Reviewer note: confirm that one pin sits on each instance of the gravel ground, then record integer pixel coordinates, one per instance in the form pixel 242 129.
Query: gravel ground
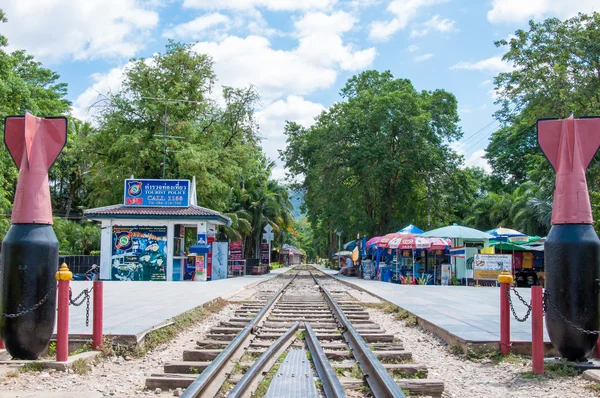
pixel 472 379
pixel 126 377
pixel 462 378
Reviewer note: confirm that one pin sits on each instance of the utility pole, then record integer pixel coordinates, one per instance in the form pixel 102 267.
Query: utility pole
pixel 165 142
pixel 339 234
pixel 428 200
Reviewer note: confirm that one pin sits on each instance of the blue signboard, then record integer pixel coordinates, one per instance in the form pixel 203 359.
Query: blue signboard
pixel 157 193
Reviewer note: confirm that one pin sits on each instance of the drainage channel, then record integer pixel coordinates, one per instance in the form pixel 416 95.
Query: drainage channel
pixel 306 340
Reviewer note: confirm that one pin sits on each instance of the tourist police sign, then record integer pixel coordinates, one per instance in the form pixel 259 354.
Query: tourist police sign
pixel 157 193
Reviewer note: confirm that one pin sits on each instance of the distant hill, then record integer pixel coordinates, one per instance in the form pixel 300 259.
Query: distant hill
pixel 297 198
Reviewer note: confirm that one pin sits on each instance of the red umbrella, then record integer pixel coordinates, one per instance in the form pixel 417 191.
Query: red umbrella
pixel 385 240
pixel 373 240
pixel 440 243
pixel 409 241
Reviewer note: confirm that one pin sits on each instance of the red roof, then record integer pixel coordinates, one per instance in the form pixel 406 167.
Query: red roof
pixel 190 213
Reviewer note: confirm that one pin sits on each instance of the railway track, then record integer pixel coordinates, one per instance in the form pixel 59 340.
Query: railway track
pixel 308 339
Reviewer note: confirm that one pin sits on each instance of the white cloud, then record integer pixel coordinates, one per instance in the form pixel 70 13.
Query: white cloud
pixel 437 22
pixel 104 83
pixel 412 48
pixel 55 29
pixel 421 58
pixel 293 108
pixel 493 65
pixel 271 120
pixel 312 65
pixel 418 33
pixel 273 5
pixel 203 26
pixel 404 12
pixel 441 24
pixel 485 83
pixel 506 11
pixel 475 159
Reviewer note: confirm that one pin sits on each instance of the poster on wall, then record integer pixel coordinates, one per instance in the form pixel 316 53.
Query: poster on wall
pixel 235 255
pixel 219 260
pixel 139 253
pixel 157 193
pixel 264 254
pixel 489 266
pixel 200 269
pixel 445 274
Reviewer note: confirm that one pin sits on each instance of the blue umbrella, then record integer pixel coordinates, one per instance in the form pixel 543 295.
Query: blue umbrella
pixel 411 229
pixel 349 245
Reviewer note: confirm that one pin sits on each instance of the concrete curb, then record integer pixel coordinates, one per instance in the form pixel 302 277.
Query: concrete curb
pixel 518 347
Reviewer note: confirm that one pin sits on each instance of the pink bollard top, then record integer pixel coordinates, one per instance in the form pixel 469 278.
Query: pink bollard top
pixel 34 143
pixel 570 145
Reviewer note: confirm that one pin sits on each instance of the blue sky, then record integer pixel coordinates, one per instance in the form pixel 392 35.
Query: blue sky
pixel 297 53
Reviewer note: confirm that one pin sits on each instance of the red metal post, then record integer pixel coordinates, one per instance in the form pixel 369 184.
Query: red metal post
pixel 62 324
pixel 598 347
pixel 504 317
pixel 1 345
pixel 537 331
pixel 98 314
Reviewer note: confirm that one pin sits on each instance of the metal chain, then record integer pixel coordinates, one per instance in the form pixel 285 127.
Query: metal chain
pixel 74 302
pixel 547 300
pixel 33 308
pixel 512 308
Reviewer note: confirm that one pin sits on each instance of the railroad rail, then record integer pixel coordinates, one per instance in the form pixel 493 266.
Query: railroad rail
pixel 309 338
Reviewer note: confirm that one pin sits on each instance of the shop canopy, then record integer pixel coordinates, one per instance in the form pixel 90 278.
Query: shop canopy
pixel 373 240
pixel 342 253
pixel 507 234
pixel 507 247
pixel 411 229
pixel 349 245
pixel 456 231
pixel 290 250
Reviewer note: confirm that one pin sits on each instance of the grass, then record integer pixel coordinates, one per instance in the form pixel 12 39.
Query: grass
pixel 411 321
pixel 495 356
pixel 263 386
pixel 419 374
pixel 32 367
pixel 81 367
pixel 593 388
pixel 401 315
pixel 165 334
pixel 552 370
pixel 356 372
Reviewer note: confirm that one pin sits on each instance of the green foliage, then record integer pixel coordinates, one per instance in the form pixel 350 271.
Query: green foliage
pixel 424 280
pixel 367 159
pixel 76 238
pixel 556 74
pixel 32 367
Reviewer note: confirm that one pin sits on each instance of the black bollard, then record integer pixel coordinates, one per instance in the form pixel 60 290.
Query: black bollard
pixel 30 248
pixel 571 266
pixel 572 249
pixel 29 261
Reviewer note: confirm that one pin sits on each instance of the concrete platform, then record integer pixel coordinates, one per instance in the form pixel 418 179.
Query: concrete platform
pixel 467 316
pixel 133 308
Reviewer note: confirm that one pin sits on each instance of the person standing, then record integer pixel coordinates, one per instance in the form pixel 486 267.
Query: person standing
pixel 418 267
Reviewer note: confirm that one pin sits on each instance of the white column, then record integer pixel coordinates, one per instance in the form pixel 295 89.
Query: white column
pixel 106 250
pixel 170 244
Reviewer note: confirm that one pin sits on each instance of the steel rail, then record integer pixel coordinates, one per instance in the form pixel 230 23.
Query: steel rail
pixel 257 368
pixel 203 381
pixel 331 384
pixel 381 383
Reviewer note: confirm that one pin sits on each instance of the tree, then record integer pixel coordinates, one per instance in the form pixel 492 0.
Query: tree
pixel 556 70
pixel 172 92
pixel 365 162
pixel 25 85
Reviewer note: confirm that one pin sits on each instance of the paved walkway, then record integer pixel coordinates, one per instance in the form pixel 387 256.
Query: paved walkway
pixel 131 308
pixel 470 313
